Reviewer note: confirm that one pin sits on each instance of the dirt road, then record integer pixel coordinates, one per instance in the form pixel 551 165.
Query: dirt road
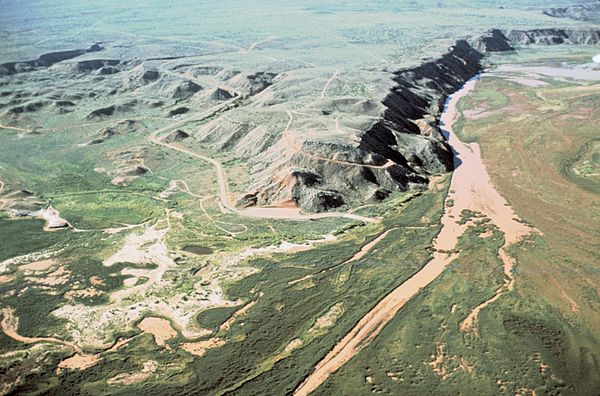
pixel 255 212
pixel 9 327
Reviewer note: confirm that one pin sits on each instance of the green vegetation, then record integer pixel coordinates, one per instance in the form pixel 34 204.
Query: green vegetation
pixel 212 318
pixel 282 312
pixel 99 210
pixel 21 237
pixel 422 351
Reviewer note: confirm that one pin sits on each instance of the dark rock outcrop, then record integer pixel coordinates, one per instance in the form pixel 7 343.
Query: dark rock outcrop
pixel 107 70
pixel 123 107
pixel 176 136
pixel 135 170
pixel 178 111
pixel 45 60
pixel 316 200
pixel 186 90
pixel 220 94
pixel 418 95
pixel 102 112
pixel 150 76
pixel 87 66
pixel 28 107
pixel 251 84
pixel 120 128
pixel 494 41
pixel 401 150
pixel 247 200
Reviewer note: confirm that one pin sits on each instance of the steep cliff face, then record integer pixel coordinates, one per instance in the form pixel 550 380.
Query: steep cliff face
pixel 396 151
pixel 408 134
pixel 404 146
pixel 492 41
pixel 498 40
pixel 309 137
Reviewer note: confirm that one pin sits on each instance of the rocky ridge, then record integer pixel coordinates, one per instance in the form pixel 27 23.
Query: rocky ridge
pixel 336 150
pixel 579 12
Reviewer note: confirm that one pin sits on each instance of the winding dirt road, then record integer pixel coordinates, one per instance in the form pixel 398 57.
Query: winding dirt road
pixel 255 212
pixel 471 188
pixel 9 327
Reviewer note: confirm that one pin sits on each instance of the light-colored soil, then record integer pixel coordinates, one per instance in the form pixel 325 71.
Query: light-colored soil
pixel 327 320
pixel 79 362
pixel 95 324
pixel 160 328
pixel 227 205
pixel 471 188
pixel 6 278
pixel 288 141
pixel 26 258
pixel 119 344
pixel 94 280
pixel 437 362
pixel 293 282
pixel 135 250
pixel 148 247
pixel 240 312
pixel 53 220
pixel 38 265
pixel 470 322
pixel 528 82
pixel 199 348
pixel 293 345
pixel 56 278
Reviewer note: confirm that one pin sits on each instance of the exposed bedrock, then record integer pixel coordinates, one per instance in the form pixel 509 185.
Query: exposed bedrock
pixel 176 136
pixel 554 36
pixel 87 66
pixel 399 152
pixel 45 60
